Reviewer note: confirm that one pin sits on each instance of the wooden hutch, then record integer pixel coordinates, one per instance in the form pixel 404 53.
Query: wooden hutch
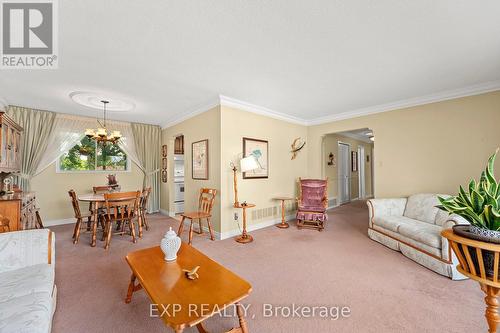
pixel 19 208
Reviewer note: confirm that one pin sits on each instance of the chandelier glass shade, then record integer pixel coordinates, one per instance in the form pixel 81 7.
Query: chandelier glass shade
pixel 101 133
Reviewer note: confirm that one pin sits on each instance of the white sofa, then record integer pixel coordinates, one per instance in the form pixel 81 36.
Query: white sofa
pixel 27 287
pixel 413 226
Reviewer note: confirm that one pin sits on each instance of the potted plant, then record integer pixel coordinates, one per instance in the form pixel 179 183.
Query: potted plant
pixel 480 206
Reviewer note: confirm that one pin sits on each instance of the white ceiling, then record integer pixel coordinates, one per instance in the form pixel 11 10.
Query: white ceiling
pixel 306 60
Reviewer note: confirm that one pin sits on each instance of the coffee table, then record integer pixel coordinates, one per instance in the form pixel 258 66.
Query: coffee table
pixel 189 302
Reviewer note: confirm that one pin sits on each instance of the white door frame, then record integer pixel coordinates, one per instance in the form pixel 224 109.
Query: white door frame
pixel 348 171
pixel 361 173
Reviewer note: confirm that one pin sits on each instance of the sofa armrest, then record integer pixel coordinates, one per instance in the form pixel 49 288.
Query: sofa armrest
pixel 380 207
pixel 26 248
pixel 446 251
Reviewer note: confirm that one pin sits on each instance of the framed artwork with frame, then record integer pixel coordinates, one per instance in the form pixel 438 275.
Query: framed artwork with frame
pixel 354 161
pixel 260 150
pixel 199 159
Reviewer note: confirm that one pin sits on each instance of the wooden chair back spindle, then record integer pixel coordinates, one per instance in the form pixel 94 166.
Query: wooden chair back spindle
pixel 206 200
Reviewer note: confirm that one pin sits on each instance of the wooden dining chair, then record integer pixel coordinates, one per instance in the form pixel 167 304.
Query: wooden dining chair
pixel 4 224
pixel 79 216
pixel 121 207
pixel 205 205
pixel 143 208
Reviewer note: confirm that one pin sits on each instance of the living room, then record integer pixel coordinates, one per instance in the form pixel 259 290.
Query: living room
pixel 232 166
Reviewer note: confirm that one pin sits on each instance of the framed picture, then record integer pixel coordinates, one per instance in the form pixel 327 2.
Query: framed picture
pixel 199 154
pixel 354 161
pixel 164 175
pixel 164 151
pixel 260 150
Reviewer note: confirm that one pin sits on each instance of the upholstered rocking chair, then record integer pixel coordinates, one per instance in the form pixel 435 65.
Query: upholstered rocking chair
pixel 312 204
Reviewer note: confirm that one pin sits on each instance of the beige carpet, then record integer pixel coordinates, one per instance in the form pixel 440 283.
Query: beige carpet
pixel 341 266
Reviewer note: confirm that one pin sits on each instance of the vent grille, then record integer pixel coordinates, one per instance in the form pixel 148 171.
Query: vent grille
pixel 332 202
pixel 273 212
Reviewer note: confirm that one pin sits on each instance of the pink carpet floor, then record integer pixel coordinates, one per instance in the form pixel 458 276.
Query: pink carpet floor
pixel 339 267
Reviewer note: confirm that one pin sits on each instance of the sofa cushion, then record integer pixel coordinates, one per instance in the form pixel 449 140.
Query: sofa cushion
pixel 422 207
pixel 26 280
pixel 31 313
pixel 422 232
pixel 390 222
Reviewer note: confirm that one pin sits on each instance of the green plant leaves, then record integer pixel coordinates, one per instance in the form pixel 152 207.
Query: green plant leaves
pixel 480 205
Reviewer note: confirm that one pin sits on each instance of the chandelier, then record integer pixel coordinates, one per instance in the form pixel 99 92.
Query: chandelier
pixel 101 133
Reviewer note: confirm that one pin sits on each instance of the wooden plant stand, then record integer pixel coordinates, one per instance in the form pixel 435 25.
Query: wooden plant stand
pixel 463 247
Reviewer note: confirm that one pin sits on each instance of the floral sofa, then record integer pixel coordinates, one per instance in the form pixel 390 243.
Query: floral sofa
pixel 27 288
pixel 413 226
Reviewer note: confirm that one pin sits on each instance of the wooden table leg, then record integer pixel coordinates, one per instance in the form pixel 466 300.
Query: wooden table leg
pixel 132 287
pixel 179 330
pixel 283 224
pixel 492 305
pixel 201 328
pixel 94 225
pixel 241 318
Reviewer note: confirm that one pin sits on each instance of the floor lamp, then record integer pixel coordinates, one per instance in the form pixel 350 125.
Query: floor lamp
pixel 247 164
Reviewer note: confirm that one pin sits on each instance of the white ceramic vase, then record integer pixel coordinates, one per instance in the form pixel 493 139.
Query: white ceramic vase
pixel 170 245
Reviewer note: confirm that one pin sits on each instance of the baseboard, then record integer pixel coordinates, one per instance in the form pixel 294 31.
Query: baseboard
pixel 51 223
pixel 253 227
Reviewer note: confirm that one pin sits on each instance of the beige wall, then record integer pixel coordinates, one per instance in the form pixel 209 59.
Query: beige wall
pixel 330 143
pixel 52 188
pixel 200 127
pixel 428 148
pixel 283 172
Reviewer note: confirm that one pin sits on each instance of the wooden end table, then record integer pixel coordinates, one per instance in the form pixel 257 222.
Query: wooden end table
pixel 463 247
pixel 244 237
pixel 283 224
pixel 189 302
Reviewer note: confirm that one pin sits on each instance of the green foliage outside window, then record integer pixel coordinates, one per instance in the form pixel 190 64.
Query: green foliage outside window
pixel 89 155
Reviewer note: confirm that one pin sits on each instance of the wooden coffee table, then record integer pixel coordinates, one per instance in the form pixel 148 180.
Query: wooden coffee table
pixel 189 302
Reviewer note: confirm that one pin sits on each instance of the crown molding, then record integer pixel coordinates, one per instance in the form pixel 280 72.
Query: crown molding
pixel 401 104
pixel 245 106
pixel 190 114
pixel 406 103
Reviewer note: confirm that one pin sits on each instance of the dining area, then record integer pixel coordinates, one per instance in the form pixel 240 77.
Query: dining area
pixel 108 211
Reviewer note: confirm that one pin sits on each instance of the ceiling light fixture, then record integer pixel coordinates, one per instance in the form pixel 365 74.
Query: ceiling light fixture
pixel 101 133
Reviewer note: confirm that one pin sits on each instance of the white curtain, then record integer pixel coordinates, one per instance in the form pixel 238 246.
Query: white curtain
pixel 69 130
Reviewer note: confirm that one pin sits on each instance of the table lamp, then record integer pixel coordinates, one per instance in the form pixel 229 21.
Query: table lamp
pixel 248 163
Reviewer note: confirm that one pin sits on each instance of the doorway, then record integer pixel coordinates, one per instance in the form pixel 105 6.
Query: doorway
pixel 344 177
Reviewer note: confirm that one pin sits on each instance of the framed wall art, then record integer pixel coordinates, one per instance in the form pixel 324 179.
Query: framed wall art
pixel 354 161
pixel 260 150
pixel 199 157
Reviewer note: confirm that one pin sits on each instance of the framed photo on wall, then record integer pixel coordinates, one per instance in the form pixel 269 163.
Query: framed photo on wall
pixel 199 159
pixel 260 150
pixel 354 161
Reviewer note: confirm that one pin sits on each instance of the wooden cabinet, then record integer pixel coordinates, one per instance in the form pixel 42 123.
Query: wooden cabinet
pixel 179 145
pixel 20 209
pixel 10 145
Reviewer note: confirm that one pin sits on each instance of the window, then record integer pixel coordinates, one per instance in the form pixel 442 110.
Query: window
pixel 88 155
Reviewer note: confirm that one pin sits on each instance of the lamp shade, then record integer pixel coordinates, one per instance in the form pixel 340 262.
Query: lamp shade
pixel 248 163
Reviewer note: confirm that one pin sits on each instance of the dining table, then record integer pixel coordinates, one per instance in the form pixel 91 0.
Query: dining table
pixel 97 201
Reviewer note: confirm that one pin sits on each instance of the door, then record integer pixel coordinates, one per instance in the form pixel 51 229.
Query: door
pixel 361 172
pixel 344 173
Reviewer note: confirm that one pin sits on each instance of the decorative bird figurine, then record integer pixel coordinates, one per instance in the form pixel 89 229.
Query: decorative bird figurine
pixel 191 274
pixel 297 145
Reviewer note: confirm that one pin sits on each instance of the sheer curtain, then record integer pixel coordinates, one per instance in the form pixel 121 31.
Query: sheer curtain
pixel 69 130
pixel 37 128
pixel 147 140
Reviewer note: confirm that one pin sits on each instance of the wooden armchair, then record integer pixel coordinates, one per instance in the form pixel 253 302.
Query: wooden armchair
pixel 205 204
pixel 121 207
pixel 312 202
